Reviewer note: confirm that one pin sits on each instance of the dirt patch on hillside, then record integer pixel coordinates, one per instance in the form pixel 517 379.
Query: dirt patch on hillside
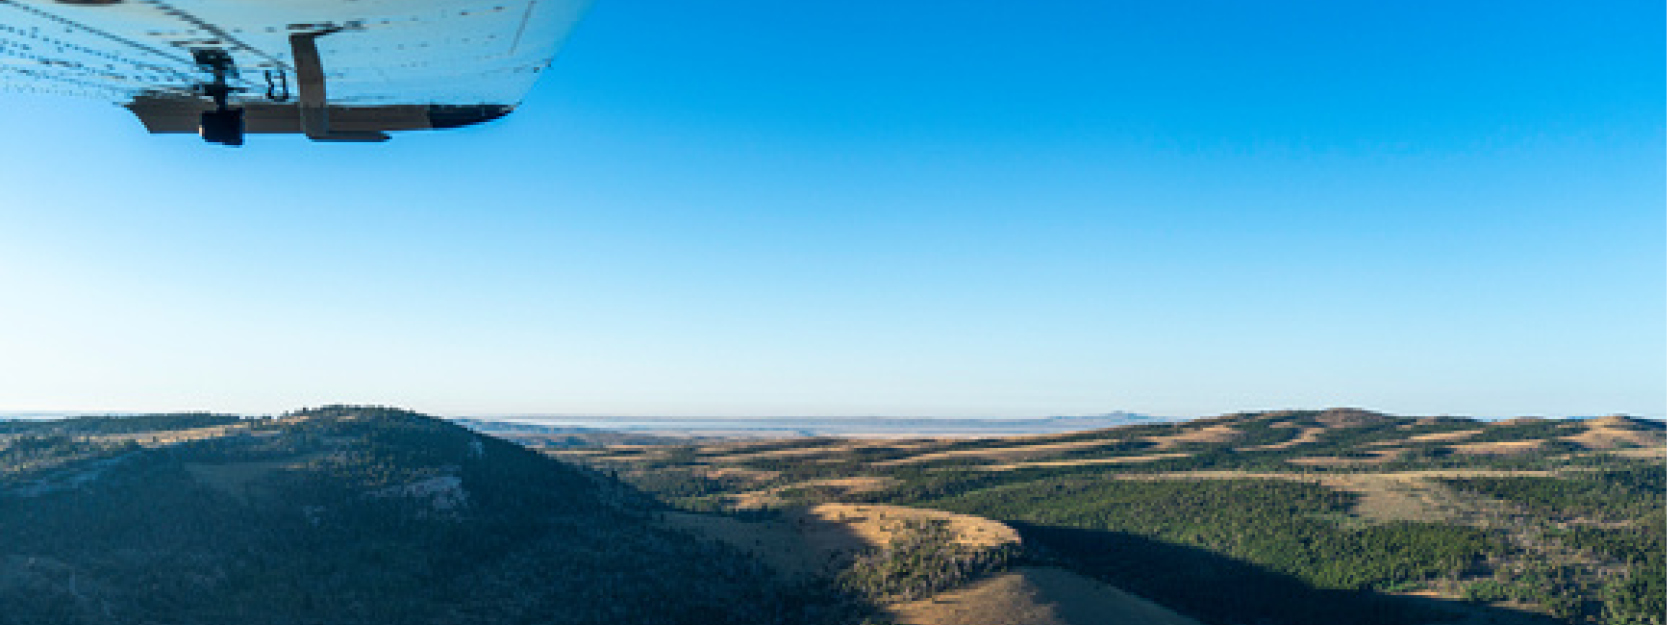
pixel 1627 423
pixel 876 524
pixel 1501 448
pixel 1035 596
pixel 752 475
pixel 1374 457
pixel 840 486
pixel 1434 437
pixel 1083 462
pixel 1306 436
pixel 813 540
pixel 1608 437
pixel 754 500
pixel 795 452
pixel 1211 434
pixel 169 437
pixel 1393 497
pixel 851 485
pixel 577 453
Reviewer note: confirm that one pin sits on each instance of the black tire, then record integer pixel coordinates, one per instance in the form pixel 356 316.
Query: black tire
pixel 222 127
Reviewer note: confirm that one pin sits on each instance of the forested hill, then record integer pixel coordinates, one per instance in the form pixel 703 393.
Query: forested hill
pixel 342 515
pixel 1296 517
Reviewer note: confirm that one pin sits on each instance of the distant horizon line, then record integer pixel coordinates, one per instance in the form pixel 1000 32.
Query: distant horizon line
pixel 540 416
pixel 552 415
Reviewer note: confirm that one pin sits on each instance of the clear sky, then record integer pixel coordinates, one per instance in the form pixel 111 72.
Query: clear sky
pixel 757 207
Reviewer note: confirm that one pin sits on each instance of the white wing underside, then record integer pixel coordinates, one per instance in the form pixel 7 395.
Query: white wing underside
pixel 388 53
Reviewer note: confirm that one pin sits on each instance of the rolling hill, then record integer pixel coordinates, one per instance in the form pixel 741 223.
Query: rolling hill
pixel 1319 517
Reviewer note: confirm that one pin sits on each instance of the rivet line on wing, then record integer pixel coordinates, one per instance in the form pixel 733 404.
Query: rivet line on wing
pixel 218 33
pixel 111 36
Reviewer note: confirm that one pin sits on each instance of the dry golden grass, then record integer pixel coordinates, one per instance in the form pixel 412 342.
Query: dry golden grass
pixel 169 437
pixel 623 453
pixel 813 541
pixel 1608 436
pixel 1035 596
pixel 1211 434
pixel 1522 421
pixel 1307 435
pixel 1501 448
pixel 794 452
pixel 771 498
pixel 1435 437
pixel 1083 462
pixel 585 452
pixel 1374 457
pixel 876 524
pixel 755 475
pixel 999 454
pixel 810 541
pixel 754 499
pixel 635 447
pixel 1392 497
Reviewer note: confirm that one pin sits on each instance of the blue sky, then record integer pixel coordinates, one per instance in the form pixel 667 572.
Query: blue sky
pixel 768 208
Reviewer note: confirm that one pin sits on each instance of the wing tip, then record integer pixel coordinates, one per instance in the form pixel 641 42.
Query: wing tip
pixel 447 116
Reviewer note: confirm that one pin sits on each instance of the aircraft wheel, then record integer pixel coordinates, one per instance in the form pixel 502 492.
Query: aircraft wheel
pixel 224 127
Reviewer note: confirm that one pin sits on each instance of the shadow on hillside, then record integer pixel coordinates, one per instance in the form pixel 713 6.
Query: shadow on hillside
pixel 1222 591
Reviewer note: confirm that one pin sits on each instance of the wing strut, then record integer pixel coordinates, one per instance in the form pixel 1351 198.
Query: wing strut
pixel 309 80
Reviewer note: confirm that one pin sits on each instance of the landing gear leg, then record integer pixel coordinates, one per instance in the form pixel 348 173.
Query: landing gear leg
pixel 224 124
pixel 314 100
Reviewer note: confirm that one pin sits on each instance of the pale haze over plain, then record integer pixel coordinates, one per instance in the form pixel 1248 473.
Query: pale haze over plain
pixel 881 208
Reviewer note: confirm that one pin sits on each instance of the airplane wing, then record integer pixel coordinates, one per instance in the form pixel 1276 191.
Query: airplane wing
pixel 335 70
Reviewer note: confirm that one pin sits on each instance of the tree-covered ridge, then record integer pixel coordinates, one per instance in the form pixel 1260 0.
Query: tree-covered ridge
pixel 100 425
pixel 357 515
pixel 1615 495
pixel 1286 526
pixel 1617 516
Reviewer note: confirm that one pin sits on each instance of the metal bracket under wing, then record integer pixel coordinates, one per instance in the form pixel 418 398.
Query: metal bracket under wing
pixel 314 106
